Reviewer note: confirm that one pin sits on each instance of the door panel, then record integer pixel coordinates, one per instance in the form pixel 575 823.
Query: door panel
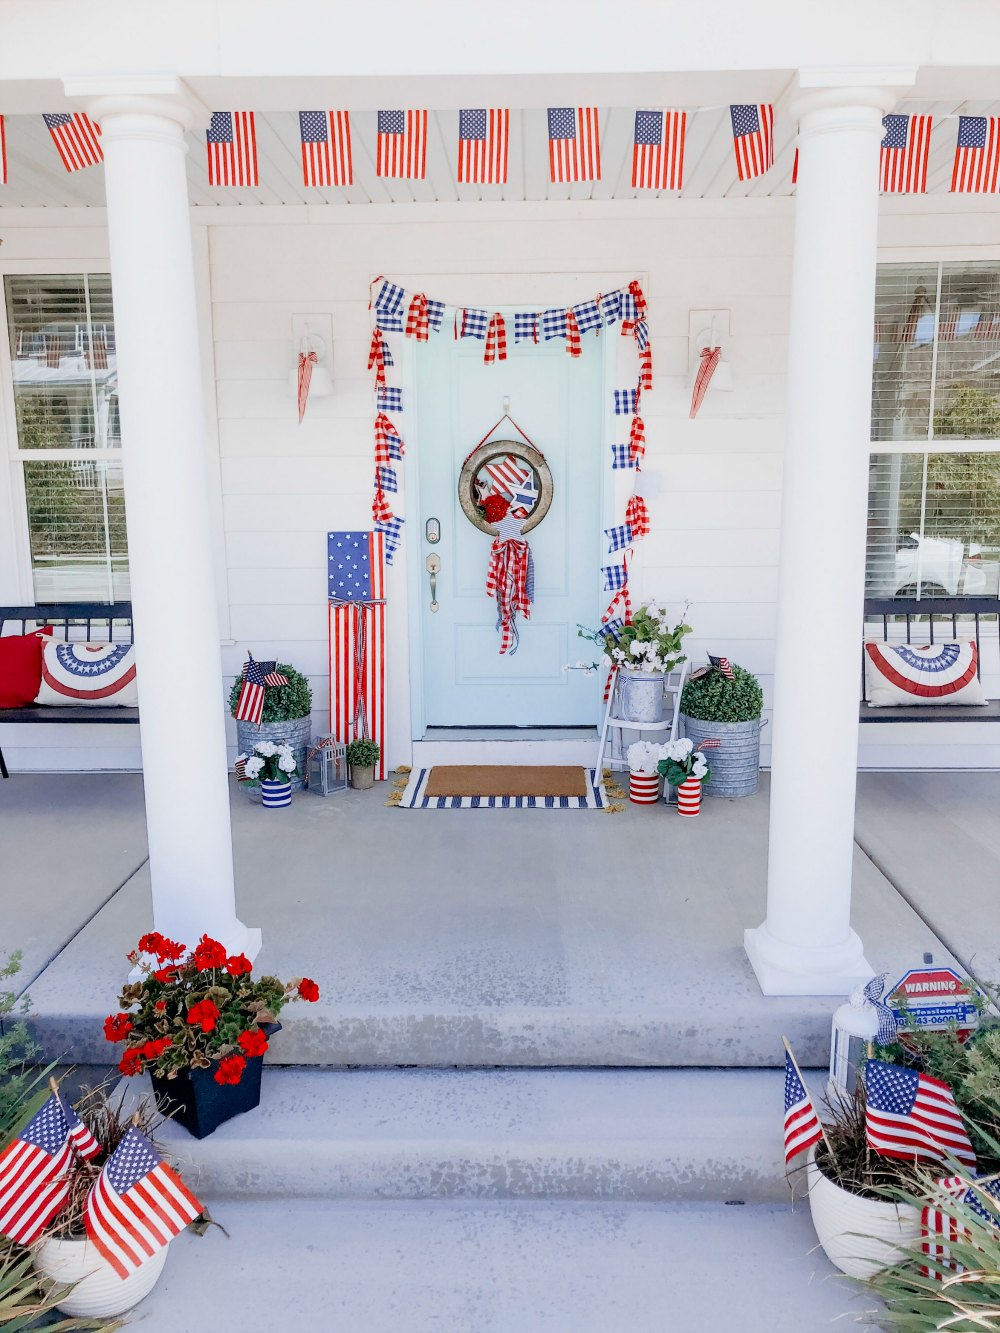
pixel 558 401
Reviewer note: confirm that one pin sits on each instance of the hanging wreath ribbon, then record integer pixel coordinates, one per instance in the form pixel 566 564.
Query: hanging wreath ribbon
pixel 496 341
pixel 417 318
pixel 509 579
pixel 637 516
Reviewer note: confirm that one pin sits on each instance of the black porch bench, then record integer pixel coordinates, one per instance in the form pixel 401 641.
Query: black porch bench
pixel 927 621
pixel 75 620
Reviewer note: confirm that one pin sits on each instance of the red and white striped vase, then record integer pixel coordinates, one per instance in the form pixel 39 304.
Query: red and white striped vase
pixel 689 797
pixel 644 788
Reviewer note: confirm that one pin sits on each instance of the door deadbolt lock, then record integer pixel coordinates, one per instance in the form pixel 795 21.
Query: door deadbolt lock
pixel 433 567
pixel 432 531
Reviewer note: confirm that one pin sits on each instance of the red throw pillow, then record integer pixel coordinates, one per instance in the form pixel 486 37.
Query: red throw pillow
pixel 21 667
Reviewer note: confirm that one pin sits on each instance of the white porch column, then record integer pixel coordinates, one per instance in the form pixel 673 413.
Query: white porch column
pixel 178 659
pixel 806 945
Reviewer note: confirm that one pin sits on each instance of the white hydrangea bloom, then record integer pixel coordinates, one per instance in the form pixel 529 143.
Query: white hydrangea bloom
pixel 253 767
pixel 266 748
pixel 700 768
pixel 636 648
pixel 286 762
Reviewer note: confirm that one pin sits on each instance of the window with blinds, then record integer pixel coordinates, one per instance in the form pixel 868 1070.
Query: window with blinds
pixel 65 381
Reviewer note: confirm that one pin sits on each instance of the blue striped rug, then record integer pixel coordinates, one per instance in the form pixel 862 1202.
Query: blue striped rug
pixel 415 799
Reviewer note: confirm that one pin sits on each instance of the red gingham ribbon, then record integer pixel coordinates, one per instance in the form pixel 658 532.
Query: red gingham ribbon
pixel 417 324
pixel 383 429
pixel 622 595
pixel 496 340
pixel 573 345
pixel 637 440
pixel 306 362
pixel 381 513
pixel 628 325
pixel 507 581
pixel 710 357
pixel 376 357
pixel 646 367
pixel 637 516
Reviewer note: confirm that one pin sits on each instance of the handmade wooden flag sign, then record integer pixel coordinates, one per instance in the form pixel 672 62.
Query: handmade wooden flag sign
pixel 356 623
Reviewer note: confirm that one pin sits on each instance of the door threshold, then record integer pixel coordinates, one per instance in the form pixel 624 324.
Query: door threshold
pixel 459 734
pixel 506 745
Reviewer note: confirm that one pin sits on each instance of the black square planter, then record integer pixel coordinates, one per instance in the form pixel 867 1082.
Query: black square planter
pixel 194 1099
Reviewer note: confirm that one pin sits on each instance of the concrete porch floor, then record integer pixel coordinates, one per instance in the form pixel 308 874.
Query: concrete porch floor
pixel 509 937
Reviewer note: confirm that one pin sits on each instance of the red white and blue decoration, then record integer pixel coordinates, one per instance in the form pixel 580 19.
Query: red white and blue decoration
pixel 658 150
pixel 256 677
pixel 802 1124
pixel 913 1116
pixel 574 143
pixel 940 1227
pixel 753 138
pixel 415 797
pixel 977 156
pixel 904 154
pixel 356 623
pixel 898 674
pixel 33 1169
pixel 231 145
pixel 326 148
pixel 76 137
pixel 483 145
pixel 98 675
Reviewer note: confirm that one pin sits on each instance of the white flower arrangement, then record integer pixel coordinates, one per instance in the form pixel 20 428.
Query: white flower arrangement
pixel 680 760
pixel 649 643
pixel 643 758
pixel 270 763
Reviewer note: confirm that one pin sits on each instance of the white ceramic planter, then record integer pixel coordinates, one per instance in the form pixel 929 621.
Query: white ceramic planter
pixel 98 1290
pixel 860 1236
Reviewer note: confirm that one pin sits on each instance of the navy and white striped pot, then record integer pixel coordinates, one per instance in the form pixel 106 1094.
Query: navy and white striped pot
pixel 274 794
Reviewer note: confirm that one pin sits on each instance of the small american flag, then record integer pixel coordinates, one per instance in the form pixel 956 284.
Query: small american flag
pixel 240 768
pixel 913 1116
pixel 574 144
pixel 76 139
pixel 977 155
pixel 306 362
pixel 231 142
pixel 903 158
pixel 658 150
pixel 137 1205
pixel 401 148
pixel 326 148
pixel 256 676
pixel 753 138
pixel 724 665
pixel 940 1227
pixel 33 1170
pixel 80 1137
pixel 802 1126
pixel 483 141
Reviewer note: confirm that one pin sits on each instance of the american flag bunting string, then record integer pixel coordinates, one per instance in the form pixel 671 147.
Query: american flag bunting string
pixel 417 320
pixel 496 341
pixel 802 1124
pixel 483 145
pixel 33 1170
pixel 306 362
pixel 977 156
pixel 658 150
pixel 231 144
pixel 326 148
pixel 137 1205
pixel 401 148
pixel 574 143
pixel 76 137
pixel 913 1116
pixel 573 345
pixel 904 153
pixel 753 138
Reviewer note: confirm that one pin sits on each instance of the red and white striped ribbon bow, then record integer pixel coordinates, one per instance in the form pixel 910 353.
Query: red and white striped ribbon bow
pixel 573 344
pixel 637 516
pixel 710 357
pixel 417 321
pixel 496 340
pixel 306 362
pixel 646 367
pixel 507 581
pixel 637 440
pixel 376 357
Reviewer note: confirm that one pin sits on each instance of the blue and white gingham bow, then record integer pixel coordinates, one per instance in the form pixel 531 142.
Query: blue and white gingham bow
pixel 886 1035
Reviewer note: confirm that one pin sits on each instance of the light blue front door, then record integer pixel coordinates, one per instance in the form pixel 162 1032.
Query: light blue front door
pixel 557 400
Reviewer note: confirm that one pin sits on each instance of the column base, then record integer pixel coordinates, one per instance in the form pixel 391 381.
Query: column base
pixel 785 969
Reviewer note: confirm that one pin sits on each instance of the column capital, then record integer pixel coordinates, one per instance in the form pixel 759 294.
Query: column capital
pixel 150 96
pixel 823 93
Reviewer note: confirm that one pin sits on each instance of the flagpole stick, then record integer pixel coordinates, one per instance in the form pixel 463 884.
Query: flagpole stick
pixel 54 1086
pixel 791 1056
pixel 870 1053
pixel 135 1120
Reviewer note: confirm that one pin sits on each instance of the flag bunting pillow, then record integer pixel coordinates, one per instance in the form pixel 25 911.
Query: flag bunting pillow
pixel 88 674
pixel 897 674
pixel 21 667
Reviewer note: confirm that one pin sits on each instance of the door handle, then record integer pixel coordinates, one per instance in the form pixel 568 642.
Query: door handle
pixel 433 566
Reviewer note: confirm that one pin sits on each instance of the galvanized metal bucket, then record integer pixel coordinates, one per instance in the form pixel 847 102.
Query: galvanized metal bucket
pixel 297 733
pixel 640 695
pixel 735 764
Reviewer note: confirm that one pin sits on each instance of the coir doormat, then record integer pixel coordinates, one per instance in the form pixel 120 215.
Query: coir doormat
pixel 501 786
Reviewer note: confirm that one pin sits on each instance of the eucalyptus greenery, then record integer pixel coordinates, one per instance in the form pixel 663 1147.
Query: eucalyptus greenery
pixel 648 644
pixel 282 703
pixel 714 698
pixel 363 754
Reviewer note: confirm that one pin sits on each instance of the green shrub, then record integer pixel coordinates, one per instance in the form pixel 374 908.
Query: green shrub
pixel 282 703
pixel 713 698
pixel 363 754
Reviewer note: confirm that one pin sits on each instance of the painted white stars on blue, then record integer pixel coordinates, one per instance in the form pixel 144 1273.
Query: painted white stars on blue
pixel 78 660
pixel 745 119
pixel 349 566
pixel 132 1159
pixel 47 1129
pixel 562 122
pixel 895 131
pixel 891 1087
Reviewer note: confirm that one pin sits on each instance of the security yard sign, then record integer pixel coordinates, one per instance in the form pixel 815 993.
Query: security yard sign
pixel 935 997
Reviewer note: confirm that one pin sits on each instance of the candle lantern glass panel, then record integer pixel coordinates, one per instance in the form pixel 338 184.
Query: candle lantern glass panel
pixel 328 766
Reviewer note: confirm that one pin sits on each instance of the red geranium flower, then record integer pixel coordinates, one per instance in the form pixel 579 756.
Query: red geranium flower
pixel 154 1049
pixel 209 954
pixel 308 989
pixel 203 1015
pixel 230 1069
pixel 131 1062
pixel 253 1042
pixel 495 508
pixel 238 964
pixel 158 944
pixel 160 1005
pixel 117 1027
pixel 165 974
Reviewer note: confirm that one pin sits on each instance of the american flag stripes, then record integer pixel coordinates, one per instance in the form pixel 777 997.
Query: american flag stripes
pixel 96 350
pixel 306 362
pixel 231 144
pixel 574 144
pixel 802 1125
pixel 357 636
pixel 496 341
pixel 401 148
pixel 904 153
pixel 723 665
pixel 256 675
pixel 941 1226
pixel 913 1116
pixel 81 1139
pixel 33 1171
pixel 977 156
pixel 76 137
pixel 658 150
pixel 753 139
pixel 240 767
pixel 137 1205
pixel 326 148
pixel 483 145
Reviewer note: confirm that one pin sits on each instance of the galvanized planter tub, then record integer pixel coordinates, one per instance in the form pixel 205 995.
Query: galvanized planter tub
pixel 297 733
pixel 735 764
pixel 640 695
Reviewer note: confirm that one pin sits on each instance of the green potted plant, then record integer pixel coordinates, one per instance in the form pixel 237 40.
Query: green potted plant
pixel 727 712
pixel 362 756
pixel 645 651
pixel 285 720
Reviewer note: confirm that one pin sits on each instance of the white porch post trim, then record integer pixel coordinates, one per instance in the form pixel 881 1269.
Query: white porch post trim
pixel 806 945
pixel 178 659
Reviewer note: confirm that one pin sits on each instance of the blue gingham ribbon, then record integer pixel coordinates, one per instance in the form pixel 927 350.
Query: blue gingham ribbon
pixel 626 402
pixel 621 457
pixel 553 324
pixel 525 325
pixel 619 536
pixel 887 1026
pixel 389 399
pixel 615 577
pixel 587 316
pixel 389 307
pixel 387 479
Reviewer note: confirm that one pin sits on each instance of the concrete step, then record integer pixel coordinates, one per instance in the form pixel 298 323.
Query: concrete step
pixel 624 1135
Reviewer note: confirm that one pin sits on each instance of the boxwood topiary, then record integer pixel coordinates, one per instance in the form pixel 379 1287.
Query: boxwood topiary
pixel 713 698
pixel 282 703
pixel 363 753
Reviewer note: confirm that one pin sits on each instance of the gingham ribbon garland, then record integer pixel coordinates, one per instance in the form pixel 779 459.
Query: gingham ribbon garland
pixel 573 345
pixel 637 516
pixel 496 340
pixel 417 321
pixel 377 357
pixel 637 441
pixel 525 326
